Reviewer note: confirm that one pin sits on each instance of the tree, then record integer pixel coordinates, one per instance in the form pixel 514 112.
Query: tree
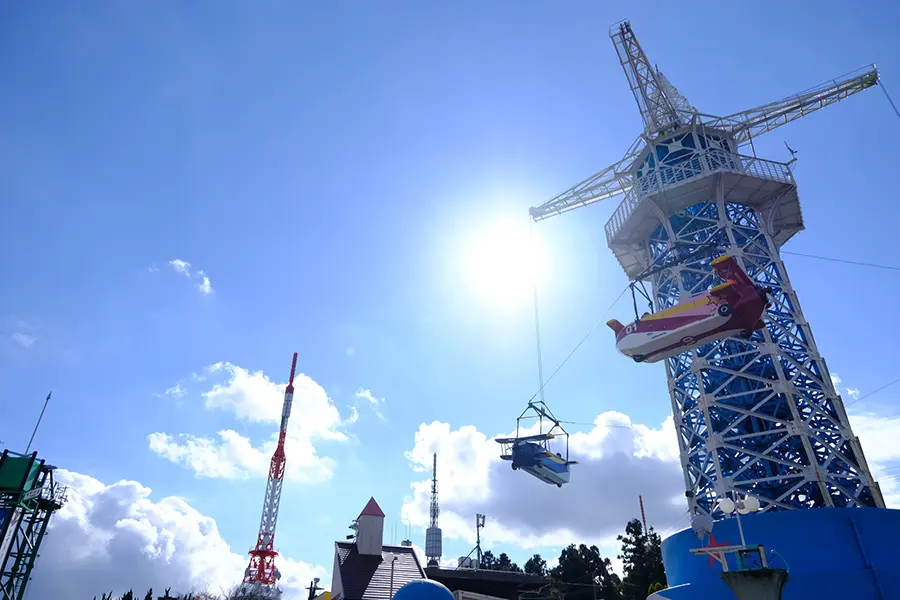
pixel 149 594
pixel 582 574
pixel 505 564
pixel 642 560
pixel 488 561
pixel 536 566
pixel 129 595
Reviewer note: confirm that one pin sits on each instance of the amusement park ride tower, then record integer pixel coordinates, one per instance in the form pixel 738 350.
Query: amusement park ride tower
pixel 758 416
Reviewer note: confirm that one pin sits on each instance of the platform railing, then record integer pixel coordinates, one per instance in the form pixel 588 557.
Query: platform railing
pixel 712 160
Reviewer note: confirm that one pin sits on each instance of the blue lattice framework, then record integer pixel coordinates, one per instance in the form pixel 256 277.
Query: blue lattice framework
pixel 761 415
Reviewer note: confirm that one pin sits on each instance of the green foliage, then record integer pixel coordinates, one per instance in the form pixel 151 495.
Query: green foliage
pixel 582 574
pixel 536 566
pixel 641 559
pixel 489 562
pixel 655 587
pixel 149 594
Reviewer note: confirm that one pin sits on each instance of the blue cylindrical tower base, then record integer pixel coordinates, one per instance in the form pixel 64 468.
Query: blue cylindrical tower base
pixel 829 553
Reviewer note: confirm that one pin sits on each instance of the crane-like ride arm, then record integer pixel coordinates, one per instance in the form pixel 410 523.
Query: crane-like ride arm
pixel 752 123
pixel 608 183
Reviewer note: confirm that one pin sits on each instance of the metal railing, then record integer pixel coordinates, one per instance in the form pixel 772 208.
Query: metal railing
pixel 706 162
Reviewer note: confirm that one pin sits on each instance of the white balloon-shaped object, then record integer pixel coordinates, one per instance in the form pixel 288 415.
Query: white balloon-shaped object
pixel 751 504
pixel 726 505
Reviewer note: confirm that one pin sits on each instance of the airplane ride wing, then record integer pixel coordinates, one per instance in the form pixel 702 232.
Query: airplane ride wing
pixel 728 269
pixel 540 437
pixel 505 440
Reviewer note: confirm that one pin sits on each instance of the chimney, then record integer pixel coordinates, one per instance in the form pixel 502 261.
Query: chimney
pixel 370 532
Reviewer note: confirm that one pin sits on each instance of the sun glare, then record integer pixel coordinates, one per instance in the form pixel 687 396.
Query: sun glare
pixel 500 261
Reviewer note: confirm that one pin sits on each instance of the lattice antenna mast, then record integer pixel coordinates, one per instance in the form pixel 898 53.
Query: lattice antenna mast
pixel 433 541
pixel 262 571
pixel 663 108
pixel 435 508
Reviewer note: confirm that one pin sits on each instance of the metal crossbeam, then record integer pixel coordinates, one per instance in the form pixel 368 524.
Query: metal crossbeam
pixel 752 123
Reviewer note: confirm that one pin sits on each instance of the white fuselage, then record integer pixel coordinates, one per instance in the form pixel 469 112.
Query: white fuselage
pixel 647 342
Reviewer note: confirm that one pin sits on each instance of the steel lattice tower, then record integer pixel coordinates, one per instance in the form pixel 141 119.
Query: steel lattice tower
pixel 759 416
pixel 261 572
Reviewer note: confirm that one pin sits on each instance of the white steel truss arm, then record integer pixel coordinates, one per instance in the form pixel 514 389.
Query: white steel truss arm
pixel 608 183
pixel 757 121
pixel 662 107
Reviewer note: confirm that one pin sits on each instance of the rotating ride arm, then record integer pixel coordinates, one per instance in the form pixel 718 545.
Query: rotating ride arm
pixel 752 123
pixel 608 183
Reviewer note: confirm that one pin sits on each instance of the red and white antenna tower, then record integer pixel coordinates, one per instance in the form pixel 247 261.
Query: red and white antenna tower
pixel 262 571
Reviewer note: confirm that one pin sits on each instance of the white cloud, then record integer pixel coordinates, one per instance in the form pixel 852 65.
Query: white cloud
pixel 23 339
pixel 878 437
pixel 373 401
pixel 837 381
pixel 116 537
pixel 253 397
pixel 184 267
pixel 366 395
pixel 176 391
pixel 618 462
pixel 204 286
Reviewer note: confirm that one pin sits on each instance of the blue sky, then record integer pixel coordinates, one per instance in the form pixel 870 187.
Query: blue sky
pixel 327 166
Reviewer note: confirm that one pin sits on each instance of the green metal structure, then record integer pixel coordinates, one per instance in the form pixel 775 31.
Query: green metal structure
pixel 28 498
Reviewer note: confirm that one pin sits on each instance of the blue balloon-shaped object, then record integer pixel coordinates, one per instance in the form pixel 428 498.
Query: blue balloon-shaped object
pixel 423 589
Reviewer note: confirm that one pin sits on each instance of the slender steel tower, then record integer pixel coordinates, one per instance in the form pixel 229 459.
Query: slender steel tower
pixel 759 416
pixel 262 571
pixel 433 541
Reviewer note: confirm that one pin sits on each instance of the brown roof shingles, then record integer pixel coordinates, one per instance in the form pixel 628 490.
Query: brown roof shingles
pixel 369 577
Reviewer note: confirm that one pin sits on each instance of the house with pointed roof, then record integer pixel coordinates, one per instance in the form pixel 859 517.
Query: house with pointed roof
pixel 365 568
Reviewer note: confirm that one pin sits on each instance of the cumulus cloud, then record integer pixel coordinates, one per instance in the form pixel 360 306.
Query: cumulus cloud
pixel 201 280
pixel 618 461
pixel 23 339
pixel 116 537
pixel 253 397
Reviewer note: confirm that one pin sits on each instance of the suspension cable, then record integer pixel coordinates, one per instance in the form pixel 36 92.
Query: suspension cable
pixel 578 345
pixel 537 321
pixel 888 96
pixel 841 260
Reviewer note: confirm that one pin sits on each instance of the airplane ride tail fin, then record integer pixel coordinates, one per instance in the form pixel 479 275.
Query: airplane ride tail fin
pixel 615 325
pixel 727 268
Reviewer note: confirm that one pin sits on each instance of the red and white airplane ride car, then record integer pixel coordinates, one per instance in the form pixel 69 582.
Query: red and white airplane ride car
pixel 734 307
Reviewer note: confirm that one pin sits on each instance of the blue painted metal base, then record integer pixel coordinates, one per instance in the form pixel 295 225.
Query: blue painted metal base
pixel 830 553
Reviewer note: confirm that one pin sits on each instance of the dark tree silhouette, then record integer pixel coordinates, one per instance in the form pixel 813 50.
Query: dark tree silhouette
pixel 536 565
pixel 582 574
pixel 642 560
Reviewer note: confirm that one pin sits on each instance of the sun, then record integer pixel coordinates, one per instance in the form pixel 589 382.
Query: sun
pixel 501 260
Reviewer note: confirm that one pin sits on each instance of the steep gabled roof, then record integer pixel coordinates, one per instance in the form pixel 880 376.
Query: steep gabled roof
pixel 372 509
pixel 369 577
